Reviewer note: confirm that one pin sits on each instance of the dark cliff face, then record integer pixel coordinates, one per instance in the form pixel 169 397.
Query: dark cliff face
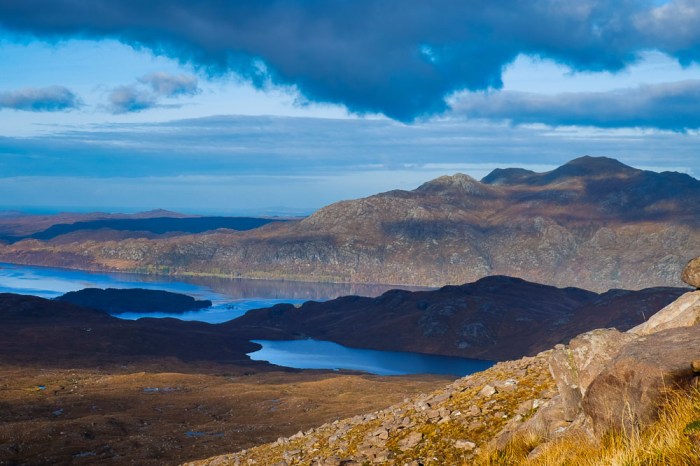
pixel 593 222
pixel 495 318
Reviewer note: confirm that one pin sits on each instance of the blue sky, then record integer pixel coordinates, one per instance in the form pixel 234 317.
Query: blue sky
pixel 285 106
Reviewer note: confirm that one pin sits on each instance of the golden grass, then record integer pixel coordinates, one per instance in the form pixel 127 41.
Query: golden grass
pixel 673 440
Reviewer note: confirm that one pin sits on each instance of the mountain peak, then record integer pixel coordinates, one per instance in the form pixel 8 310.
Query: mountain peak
pixel 501 176
pixel 586 166
pixel 457 183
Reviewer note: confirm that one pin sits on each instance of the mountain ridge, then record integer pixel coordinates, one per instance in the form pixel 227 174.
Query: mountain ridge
pixel 481 320
pixel 621 228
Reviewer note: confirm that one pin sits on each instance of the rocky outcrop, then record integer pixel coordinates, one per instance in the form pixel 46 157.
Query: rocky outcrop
pixel 626 393
pixel 574 367
pixel 691 273
pixel 611 380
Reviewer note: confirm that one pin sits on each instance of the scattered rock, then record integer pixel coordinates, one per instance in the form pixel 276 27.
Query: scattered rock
pixel 410 441
pixel 604 379
pixel 432 414
pixel 474 410
pixel 465 445
pixel 525 407
pixel 488 390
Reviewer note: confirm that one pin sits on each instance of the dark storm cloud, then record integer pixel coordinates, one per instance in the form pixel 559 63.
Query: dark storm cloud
pixel 47 99
pixel 668 106
pixel 398 57
pixel 149 91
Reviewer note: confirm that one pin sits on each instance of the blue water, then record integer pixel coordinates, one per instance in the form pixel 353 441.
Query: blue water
pixel 231 298
pixel 50 282
pixel 315 354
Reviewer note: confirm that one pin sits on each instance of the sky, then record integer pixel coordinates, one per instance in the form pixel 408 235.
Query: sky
pixel 279 107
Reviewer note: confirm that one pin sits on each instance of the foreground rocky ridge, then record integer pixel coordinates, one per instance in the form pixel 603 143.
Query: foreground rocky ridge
pixel 594 222
pixel 603 381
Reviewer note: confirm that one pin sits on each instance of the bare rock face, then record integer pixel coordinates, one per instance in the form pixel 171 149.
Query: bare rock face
pixel 626 394
pixel 575 366
pixel 564 372
pixel 683 312
pixel 691 274
pixel 591 351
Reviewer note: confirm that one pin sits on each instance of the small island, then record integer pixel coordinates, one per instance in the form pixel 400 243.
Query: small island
pixel 118 301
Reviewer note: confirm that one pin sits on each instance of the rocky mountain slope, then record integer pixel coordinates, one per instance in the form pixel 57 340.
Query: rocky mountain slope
pixel 605 398
pixel 594 222
pixel 494 318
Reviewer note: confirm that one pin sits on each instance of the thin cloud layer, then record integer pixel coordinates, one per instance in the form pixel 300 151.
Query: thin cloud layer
pixel 150 90
pixel 402 58
pixel 47 99
pixel 169 85
pixel 668 106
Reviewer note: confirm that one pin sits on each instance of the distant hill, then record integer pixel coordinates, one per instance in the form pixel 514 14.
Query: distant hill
pixel 21 224
pixel 594 222
pixel 118 301
pixel 495 318
pixel 155 225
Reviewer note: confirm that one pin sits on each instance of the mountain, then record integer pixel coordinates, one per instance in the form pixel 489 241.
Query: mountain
pixel 593 222
pixel 494 318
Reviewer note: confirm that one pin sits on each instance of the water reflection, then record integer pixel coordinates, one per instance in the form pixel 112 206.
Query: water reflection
pixel 281 289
